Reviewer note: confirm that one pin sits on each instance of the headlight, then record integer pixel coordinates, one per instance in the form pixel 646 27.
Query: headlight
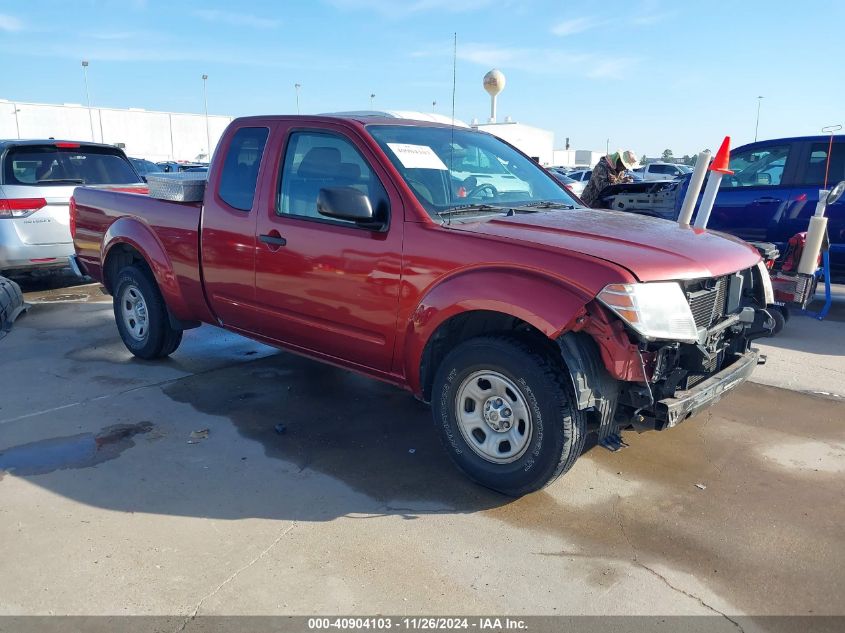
pixel 654 310
pixel 766 280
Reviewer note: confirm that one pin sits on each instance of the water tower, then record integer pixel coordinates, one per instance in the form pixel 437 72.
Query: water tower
pixel 494 83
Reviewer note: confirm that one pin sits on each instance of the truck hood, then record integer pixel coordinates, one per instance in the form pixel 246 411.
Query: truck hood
pixel 652 249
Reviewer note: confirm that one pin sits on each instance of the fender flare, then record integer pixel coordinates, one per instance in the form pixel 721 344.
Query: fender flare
pixel 133 232
pixel 544 302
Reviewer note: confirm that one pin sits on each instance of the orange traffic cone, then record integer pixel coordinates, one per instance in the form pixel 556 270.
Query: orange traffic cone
pixel 723 158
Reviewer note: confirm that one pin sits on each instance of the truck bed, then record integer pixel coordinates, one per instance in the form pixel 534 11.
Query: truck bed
pixel 173 227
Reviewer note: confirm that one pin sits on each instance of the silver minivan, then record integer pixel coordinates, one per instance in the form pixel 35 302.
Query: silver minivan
pixel 37 179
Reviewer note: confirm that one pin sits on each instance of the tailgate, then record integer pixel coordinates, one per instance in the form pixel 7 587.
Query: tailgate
pixel 48 225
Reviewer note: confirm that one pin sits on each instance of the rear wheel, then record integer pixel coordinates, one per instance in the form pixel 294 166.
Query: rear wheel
pixel 141 315
pixel 505 415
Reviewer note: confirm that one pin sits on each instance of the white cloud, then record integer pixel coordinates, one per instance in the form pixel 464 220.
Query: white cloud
pixel 650 13
pixel 575 25
pixel 541 61
pixel 10 23
pixel 392 8
pixel 615 68
pixel 236 18
pixel 651 18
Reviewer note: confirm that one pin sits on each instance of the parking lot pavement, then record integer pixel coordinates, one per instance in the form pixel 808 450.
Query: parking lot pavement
pixel 808 355
pixel 117 501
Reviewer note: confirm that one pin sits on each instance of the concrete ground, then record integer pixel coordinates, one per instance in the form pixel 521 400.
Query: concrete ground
pixel 116 499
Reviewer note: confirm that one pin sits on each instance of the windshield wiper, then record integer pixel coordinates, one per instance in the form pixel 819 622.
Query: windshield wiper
pixel 469 208
pixel 75 181
pixel 544 204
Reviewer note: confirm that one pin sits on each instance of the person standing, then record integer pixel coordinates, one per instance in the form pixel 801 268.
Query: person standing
pixel 610 170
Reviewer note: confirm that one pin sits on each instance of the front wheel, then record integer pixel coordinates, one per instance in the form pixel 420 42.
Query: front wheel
pixel 141 315
pixel 505 415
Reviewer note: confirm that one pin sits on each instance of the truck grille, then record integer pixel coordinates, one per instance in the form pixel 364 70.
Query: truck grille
pixel 707 299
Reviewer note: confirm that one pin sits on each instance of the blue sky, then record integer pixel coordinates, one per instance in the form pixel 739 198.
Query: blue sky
pixel 648 74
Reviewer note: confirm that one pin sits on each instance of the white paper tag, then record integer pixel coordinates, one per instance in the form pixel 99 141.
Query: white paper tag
pixel 417 156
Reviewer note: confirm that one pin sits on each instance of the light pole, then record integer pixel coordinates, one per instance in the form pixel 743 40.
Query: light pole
pixel 757 125
pixel 297 87
pixel 88 96
pixel 207 133
pixel 17 124
pixel 434 106
pixel 372 96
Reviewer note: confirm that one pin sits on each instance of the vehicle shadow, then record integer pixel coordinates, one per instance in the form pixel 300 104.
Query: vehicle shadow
pixel 50 281
pixel 347 445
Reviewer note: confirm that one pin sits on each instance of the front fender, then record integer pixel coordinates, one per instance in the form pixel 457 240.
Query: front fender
pixel 546 303
pixel 138 235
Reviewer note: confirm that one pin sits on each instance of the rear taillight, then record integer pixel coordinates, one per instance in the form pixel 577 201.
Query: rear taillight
pixel 72 216
pixel 20 207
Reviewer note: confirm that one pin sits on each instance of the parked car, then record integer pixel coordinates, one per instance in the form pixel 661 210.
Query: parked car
pixel 575 186
pixel 145 167
pixel 662 171
pixel 769 198
pixel 581 175
pixel 36 181
pixel 526 321
pixel 169 166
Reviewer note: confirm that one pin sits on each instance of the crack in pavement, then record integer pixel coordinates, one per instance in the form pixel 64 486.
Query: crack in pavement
pixel 635 559
pixel 234 575
pixel 689 595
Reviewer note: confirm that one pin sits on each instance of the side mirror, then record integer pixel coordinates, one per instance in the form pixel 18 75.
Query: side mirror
pixel 836 192
pixel 346 203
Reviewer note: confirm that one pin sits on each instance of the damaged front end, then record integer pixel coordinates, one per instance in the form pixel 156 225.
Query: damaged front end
pixel 645 382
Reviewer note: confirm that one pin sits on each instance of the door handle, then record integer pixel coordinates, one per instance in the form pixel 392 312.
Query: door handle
pixel 273 239
pixel 768 200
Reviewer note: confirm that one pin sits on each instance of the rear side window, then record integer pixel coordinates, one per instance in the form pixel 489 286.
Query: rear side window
pixel 42 166
pixel 240 170
pixel 814 170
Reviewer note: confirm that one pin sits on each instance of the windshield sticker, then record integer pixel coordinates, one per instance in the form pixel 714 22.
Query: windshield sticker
pixel 417 156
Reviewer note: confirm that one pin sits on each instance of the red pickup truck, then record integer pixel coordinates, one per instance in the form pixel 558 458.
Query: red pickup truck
pixel 446 262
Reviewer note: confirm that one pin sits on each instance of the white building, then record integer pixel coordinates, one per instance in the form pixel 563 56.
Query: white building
pixel 142 133
pixel 576 157
pixel 534 141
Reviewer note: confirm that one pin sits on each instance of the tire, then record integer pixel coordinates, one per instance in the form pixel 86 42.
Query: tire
pixel 545 444
pixel 11 304
pixel 141 315
pixel 779 318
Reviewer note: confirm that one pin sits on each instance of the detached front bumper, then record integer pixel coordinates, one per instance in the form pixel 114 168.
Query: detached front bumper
pixel 670 411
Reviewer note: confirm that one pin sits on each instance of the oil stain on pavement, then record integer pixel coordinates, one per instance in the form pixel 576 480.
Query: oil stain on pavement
pixel 74 451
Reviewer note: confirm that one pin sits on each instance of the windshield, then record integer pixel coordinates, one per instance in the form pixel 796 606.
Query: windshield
pixel 52 165
pixel 450 168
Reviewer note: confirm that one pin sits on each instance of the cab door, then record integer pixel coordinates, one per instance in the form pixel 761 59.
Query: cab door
pixel 227 234
pixel 327 285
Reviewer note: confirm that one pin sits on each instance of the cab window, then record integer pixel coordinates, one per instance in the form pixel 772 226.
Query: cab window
pixel 757 167
pixel 319 160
